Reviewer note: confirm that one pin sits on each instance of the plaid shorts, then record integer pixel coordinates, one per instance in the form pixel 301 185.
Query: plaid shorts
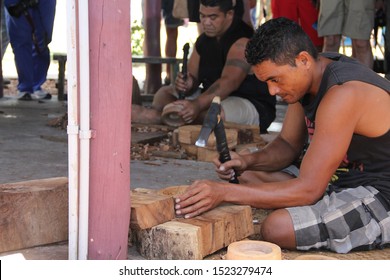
pixel 353 218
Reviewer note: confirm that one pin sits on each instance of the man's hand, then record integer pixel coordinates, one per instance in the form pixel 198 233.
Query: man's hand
pixel 190 110
pixel 200 197
pixel 184 85
pixel 237 165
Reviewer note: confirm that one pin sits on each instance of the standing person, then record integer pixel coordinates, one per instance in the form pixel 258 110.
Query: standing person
pixel 4 32
pixel 353 19
pixel 30 28
pixel 339 199
pixel 171 28
pixel 304 12
pixel 216 67
pixel 384 5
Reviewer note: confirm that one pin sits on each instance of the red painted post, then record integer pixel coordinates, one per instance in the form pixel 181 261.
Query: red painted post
pixel 1 66
pixel 110 87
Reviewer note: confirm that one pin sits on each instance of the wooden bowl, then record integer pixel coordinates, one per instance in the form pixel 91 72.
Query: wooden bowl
pixel 169 115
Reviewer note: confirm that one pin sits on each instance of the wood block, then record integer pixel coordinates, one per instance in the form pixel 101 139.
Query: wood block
pixel 246 133
pixel 33 213
pixel 249 148
pixel 170 241
pixel 150 209
pixel 197 237
pixel 190 149
pixel 188 134
pixel 206 154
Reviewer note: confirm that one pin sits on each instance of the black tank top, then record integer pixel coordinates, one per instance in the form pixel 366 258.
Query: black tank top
pixel 367 162
pixel 213 54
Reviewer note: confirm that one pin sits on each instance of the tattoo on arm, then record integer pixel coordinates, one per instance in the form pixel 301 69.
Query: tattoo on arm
pixel 212 89
pixel 238 63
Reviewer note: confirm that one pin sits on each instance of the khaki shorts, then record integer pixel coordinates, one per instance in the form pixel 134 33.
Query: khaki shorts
pixel 240 110
pixel 236 109
pixel 351 18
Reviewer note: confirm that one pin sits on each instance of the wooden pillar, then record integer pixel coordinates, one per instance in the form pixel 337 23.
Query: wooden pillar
pixel 110 87
pixel 1 63
pixel 152 17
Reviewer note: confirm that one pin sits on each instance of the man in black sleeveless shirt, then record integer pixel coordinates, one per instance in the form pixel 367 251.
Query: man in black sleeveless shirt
pixel 217 67
pixel 337 126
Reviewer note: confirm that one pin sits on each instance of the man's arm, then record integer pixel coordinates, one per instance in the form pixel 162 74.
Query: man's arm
pixel 336 121
pixel 286 147
pixel 234 72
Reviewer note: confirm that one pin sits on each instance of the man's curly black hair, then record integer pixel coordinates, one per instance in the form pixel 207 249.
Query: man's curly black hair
pixel 279 40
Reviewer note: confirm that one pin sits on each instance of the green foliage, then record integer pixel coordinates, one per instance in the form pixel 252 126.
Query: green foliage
pixel 137 38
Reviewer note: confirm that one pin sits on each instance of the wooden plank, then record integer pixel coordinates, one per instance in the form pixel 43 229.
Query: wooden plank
pixel 33 213
pixel 150 209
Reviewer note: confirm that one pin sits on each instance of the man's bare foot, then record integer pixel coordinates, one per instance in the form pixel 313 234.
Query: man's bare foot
pixel 141 114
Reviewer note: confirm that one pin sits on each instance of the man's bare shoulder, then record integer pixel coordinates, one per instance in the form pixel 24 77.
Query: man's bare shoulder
pixel 360 105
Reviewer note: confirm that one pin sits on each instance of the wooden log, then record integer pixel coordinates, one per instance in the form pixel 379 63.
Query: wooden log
pixel 206 154
pixel 33 213
pixel 172 240
pixel 246 133
pixel 192 239
pixel 188 134
pixel 150 209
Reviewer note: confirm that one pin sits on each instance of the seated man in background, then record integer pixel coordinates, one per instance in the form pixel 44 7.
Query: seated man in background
pixel 339 199
pixel 218 64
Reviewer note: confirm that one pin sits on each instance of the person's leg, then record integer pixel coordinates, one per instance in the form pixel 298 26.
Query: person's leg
pixel 278 228
pixel 44 19
pixel 330 23
pixel 171 28
pixel 170 49
pixel 359 23
pixel 387 40
pixel 362 51
pixel 164 96
pixel 239 110
pixel 341 221
pixel 141 114
pixel 4 32
pixel 19 31
pixel 332 43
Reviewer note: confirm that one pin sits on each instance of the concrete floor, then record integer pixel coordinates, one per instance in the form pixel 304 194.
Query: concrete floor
pixel 29 148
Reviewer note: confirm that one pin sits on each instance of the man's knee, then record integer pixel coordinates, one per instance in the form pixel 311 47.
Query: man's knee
pixel 278 228
pixel 164 96
pixel 361 45
pixel 332 43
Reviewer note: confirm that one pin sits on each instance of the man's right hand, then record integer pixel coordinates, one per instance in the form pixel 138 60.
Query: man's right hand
pixel 237 165
pixel 184 85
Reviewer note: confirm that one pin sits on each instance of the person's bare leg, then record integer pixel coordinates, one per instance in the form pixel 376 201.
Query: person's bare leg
pixel 141 114
pixel 362 52
pixel 164 96
pixel 332 43
pixel 278 228
pixel 170 48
